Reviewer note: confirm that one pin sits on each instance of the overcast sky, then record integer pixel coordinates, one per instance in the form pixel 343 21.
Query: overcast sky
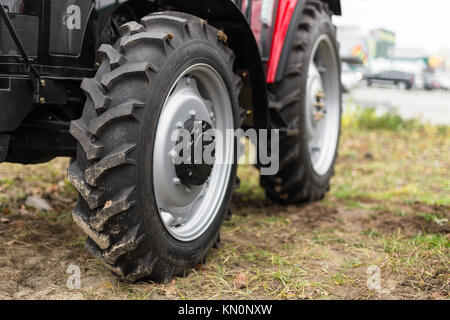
pixel 417 23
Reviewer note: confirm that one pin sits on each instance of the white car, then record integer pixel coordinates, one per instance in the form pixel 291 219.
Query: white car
pixel 444 80
pixel 350 79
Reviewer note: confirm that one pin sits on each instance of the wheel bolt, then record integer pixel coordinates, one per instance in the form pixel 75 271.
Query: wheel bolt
pixel 320 95
pixel 173 155
pixel 176 181
pixel 192 114
pixel 319 105
pixel 318 116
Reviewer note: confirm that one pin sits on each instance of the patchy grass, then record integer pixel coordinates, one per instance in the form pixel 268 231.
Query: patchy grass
pixel 368 119
pixel 389 206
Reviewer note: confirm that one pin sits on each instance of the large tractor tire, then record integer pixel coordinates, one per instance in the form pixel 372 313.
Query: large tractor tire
pixel 308 98
pixel 146 217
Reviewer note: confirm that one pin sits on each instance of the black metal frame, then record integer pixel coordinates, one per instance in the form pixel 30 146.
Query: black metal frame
pixel 38 88
pixel 55 79
pixel 35 77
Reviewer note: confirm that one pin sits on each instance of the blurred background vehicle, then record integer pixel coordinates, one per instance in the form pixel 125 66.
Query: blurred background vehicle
pixel 444 80
pixel 394 53
pixel 402 80
pixel 350 78
pixel 431 81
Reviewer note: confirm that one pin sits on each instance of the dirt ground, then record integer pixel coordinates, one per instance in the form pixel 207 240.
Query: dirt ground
pixel 391 212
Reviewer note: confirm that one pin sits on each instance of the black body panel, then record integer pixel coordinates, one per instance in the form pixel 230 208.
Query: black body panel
pixel 4 144
pixel 64 50
pixel 61 38
pixel 15 104
pixel 225 15
pixel 335 6
pixel 27 28
pixel 68 23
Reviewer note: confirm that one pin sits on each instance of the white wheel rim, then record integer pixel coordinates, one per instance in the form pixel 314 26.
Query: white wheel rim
pixel 323 105
pixel 187 212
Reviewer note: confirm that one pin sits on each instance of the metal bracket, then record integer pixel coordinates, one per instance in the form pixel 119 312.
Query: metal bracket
pixel 35 77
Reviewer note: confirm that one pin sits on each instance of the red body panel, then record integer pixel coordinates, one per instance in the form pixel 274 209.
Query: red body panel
pixel 285 11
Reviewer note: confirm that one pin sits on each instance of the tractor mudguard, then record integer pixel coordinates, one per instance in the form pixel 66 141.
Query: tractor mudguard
pixel 335 8
pixel 224 15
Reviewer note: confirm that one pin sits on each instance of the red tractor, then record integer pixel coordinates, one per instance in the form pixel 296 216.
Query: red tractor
pixel 107 82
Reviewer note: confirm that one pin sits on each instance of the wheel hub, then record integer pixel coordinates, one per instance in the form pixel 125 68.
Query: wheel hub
pixel 189 194
pixel 196 170
pixel 320 106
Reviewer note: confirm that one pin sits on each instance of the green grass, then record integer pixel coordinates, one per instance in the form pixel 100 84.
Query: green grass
pixel 433 241
pixel 391 187
pixel 387 158
pixel 368 119
pixel 429 217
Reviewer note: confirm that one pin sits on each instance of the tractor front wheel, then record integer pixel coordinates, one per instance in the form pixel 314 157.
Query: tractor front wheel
pixel 147 216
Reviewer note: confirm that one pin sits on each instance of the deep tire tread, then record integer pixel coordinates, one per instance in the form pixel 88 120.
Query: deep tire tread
pixel 113 160
pixel 115 58
pixel 94 90
pixel 92 196
pixel 130 69
pixel 127 110
pixel 105 208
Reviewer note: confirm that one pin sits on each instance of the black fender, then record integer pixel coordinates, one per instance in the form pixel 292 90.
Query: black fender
pixel 335 7
pixel 224 15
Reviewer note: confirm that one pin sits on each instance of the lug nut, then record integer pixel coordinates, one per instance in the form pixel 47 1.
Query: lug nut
pixel 176 181
pixel 173 153
pixel 320 95
pixel 192 114
pixel 319 105
pixel 179 124
pixel 173 156
pixel 318 116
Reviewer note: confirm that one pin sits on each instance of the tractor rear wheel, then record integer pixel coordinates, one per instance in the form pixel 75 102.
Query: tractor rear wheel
pixel 145 215
pixel 309 97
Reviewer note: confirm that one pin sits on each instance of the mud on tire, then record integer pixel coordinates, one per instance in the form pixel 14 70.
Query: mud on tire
pixel 116 207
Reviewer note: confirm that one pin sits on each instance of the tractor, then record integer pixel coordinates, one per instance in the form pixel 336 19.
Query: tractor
pixel 108 82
